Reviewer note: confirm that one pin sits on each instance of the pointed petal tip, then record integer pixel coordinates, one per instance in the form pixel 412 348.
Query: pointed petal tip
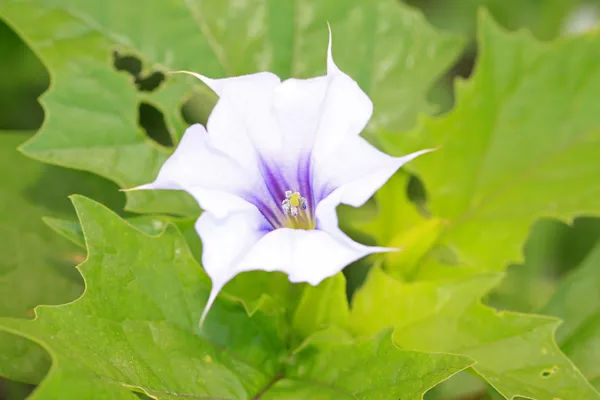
pixel 213 84
pixel 331 67
pixel 214 291
pixel 147 186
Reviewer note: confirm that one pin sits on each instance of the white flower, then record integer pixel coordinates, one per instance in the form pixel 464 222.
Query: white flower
pixel 274 162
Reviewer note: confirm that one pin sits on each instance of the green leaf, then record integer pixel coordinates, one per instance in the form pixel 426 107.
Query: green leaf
pixel 577 303
pixel 516 353
pixel 371 368
pixel 37 266
pixel 69 229
pixel 256 290
pixel 322 306
pixel 521 144
pixel 543 18
pixel 395 213
pixel 150 224
pixel 136 326
pixel 552 250
pixel 22 360
pixel 136 329
pixel 92 108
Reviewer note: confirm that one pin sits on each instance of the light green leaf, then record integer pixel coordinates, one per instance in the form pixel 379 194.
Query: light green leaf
pixel 136 329
pixel 516 353
pixel 92 109
pixel 577 303
pixel 322 306
pixel 521 144
pixel 395 213
pixel 364 369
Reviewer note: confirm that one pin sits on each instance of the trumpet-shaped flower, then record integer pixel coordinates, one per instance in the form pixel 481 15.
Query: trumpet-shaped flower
pixel 273 163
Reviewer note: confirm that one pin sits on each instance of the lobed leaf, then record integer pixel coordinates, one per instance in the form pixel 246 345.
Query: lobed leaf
pixel 577 302
pixel 135 329
pixel 92 109
pixel 516 353
pixel 521 144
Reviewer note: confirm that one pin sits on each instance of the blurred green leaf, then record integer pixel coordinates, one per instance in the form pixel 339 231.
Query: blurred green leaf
pixel 551 251
pixel 22 79
pixel 37 266
pixel 92 121
pixel 515 353
pixel 577 303
pixel 21 360
pixel 394 215
pixel 515 149
pixel 544 18
pixel 322 306
pixel 11 390
pixel 136 329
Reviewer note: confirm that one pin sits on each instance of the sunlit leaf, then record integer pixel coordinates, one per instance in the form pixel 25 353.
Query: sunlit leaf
pixel 577 303
pixel 516 353
pixel 521 144
pixel 136 329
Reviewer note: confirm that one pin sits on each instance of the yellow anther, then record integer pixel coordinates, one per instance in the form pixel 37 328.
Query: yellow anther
pixel 295 199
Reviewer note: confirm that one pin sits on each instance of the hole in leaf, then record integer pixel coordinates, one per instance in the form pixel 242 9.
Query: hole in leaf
pixel 24 79
pixel 133 65
pixel 151 82
pixel 547 373
pixel 126 63
pixel 153 122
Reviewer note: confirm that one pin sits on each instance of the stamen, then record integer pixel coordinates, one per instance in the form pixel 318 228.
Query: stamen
pixel 293 203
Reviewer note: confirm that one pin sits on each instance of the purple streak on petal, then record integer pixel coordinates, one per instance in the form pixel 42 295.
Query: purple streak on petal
pixel 268 198
pixel 266 209
pixel 305 183
pixel 274 181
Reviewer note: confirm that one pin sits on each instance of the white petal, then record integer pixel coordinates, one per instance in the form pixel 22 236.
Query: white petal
pixel 355 171
pixel 214 179
pixel 241 122
pixel 231 85
pixel 320 113
pixel 331 67
pixel 305 255
pixel 224 243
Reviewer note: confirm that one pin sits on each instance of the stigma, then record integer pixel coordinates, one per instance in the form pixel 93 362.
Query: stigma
pixel 293 203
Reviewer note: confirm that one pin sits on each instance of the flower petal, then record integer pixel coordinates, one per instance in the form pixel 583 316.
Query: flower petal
pixel 355 171
pixel 305 255
pixel 224 243
pixel 241 122
pixel 215 180
pixel 320 113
